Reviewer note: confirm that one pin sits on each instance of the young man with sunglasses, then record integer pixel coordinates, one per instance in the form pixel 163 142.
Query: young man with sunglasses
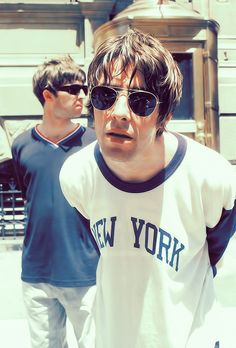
pixel 59 257
pixel 161 206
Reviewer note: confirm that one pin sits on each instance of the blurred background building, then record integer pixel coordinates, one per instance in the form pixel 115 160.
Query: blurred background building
pixel 200 34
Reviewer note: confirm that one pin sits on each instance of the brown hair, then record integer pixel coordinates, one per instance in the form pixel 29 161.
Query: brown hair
pixel 56 73
pixel 148 56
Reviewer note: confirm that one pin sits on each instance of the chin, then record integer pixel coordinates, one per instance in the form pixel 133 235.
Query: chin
pixel 117 154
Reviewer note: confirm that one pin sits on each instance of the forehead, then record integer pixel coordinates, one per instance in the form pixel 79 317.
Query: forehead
pixel 128 77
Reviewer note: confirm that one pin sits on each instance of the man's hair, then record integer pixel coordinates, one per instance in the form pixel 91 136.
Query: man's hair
pixel 148 56
pixel 55 73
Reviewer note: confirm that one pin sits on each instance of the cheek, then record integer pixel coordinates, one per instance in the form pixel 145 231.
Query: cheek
pixel 146 125
pixel 99 118
pixel 64 102
pixel 147 130
pixel 98 121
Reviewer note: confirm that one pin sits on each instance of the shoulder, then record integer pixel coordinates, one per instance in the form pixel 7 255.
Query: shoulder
pixel 76 178
pixel 90 132
pixel 206 159
pixel 23 138
pixel 79 162
pixel 214 174
pixel 21 141
pixel 88 136
pixel 86 151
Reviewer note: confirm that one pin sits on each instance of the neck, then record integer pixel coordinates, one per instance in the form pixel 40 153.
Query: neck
pixel 149 164
pixel 56 130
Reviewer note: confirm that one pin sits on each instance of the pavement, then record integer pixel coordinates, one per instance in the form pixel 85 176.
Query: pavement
pixel 13 326
pixel 14 331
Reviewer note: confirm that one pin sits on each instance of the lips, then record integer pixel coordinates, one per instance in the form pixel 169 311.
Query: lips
pixel 119 135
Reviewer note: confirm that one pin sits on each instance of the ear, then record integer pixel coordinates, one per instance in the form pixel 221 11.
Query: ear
pixel 48 96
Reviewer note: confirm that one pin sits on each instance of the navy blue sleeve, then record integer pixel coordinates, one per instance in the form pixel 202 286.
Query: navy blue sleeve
pixel 218 237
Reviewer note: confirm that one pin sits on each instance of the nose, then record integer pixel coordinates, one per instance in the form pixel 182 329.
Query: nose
pixel 120 109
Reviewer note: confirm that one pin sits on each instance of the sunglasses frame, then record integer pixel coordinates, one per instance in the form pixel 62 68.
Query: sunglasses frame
pixel 130 92
pixel 69 89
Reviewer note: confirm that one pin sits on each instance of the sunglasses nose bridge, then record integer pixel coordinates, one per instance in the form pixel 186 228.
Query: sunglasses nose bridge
pixel 120 107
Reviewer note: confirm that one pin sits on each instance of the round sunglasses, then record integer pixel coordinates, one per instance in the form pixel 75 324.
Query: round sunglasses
pixel 142 103
pixel 74 89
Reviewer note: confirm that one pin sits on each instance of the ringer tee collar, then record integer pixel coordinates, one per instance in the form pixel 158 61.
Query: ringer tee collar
pixel 152 183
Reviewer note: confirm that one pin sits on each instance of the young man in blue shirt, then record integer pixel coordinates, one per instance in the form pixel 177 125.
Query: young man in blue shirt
pixel 59 259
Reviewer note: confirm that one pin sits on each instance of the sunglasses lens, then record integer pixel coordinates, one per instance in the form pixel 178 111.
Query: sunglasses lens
pixel 75 89
pixel 102 98
pixel 85 89
pixel 142 103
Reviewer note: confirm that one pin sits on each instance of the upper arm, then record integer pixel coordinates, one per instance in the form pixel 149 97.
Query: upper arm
pixel 73 186
pixel 221 214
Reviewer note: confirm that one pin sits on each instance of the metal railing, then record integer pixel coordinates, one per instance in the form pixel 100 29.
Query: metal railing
pixel 12 211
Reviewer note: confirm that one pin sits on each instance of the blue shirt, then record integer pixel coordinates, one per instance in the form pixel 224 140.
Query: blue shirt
pixel 58 246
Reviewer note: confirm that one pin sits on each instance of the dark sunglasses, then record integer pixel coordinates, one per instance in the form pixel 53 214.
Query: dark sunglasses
pixel 142 103
pixel 74 89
